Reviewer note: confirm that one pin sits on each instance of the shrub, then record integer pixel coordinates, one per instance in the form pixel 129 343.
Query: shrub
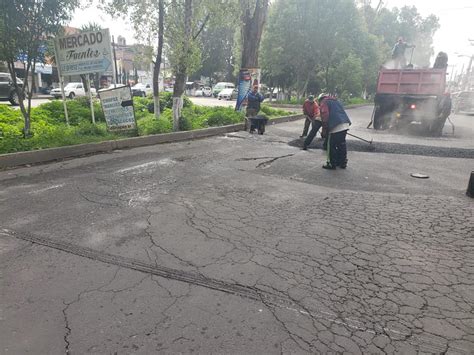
pixel 86 128
pixel 140 106
pixel 273 112
pixel 150 125
pixel 221 116
pixel 78 110
pixel 292 101
pixel 9 115
pixel 11 137
pixel 355 101
pixel 166 101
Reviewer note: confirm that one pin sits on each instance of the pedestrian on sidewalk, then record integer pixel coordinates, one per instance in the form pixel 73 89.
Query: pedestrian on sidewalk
pixel 313 117
pixel 335 124
pixel 254 99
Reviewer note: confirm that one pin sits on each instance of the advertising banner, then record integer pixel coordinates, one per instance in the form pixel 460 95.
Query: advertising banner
pixel 117 105
pixel 247 79
pixel 84 53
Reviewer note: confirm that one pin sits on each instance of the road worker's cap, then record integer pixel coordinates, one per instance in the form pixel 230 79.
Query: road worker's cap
pixel 311 98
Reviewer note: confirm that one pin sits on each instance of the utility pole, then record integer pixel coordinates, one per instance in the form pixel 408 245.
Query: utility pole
pixel 467 83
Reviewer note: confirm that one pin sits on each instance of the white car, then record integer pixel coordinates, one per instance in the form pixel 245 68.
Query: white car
pixel 142 90
pixel 72 90
pixel 227 94
pixel 206 91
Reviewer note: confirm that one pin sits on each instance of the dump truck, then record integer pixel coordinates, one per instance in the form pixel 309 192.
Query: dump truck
pixel 412 97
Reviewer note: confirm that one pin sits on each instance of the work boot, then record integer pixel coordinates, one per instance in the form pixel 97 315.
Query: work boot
pixel 343 165
pixel 329 166
pixel 304 148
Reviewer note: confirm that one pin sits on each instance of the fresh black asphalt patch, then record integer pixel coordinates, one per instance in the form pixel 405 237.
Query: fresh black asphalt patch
pixel 396 148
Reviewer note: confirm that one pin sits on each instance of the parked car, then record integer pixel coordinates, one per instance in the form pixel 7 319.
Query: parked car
pixel 221 86
pixel 7 90
pixel 72 90
pixel 207 91
pixel 142 90
pixel 204 91
pixel 464 102
pixel 228 94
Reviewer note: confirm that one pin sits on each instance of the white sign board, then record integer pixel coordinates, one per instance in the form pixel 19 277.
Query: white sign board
pixel 83 53
pixel 117 105
pixel 43 68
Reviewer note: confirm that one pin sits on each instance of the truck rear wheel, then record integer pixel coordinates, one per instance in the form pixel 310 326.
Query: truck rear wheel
pixel 444 110
pixel 379 119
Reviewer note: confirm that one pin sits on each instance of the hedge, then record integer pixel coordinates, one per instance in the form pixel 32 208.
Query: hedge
pixel 49 129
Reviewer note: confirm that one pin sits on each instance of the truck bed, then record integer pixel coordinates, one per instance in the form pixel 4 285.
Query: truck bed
pixel 412 81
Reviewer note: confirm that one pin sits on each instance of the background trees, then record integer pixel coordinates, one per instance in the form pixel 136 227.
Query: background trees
pixel 25 27
pixel 307 45
pixel 147 18
pixel 338 45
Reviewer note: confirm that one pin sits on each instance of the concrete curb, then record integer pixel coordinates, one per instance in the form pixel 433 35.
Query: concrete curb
pixel 50 154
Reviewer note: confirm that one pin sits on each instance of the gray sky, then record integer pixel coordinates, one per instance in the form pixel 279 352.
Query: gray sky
pixel 456 19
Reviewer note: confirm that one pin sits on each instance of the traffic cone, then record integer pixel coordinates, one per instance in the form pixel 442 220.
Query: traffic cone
pixel 470 186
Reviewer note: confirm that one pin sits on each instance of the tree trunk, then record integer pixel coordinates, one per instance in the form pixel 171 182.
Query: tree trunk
pixel 181 70
pixel 84 84
pixel 21 95
pixel 159 55
pixel 178 92
pixel 251 30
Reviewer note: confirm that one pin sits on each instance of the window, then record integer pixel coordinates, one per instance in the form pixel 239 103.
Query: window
pixel 79 86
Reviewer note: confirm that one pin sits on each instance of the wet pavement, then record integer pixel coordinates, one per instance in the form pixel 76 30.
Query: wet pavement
pixel 242 244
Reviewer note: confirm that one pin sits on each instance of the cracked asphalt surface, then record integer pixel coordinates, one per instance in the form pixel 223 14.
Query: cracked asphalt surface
pixel 243 244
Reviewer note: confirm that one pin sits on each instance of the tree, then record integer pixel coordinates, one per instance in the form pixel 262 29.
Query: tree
pixel 187 19
pixel 276 57
pixel 25 26
pixel 217 52
pixel 301 50
pixel 307 43
pixel 348 76
pixel 253 16
pixel 148 19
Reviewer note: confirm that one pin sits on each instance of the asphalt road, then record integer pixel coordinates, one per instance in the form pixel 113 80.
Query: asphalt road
pixel 242 244
pixel 211 101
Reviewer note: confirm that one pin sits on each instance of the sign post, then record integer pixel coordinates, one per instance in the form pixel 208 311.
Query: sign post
pixel 117 104
pixel 90 98
pixel 83 53
pixel 61 84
